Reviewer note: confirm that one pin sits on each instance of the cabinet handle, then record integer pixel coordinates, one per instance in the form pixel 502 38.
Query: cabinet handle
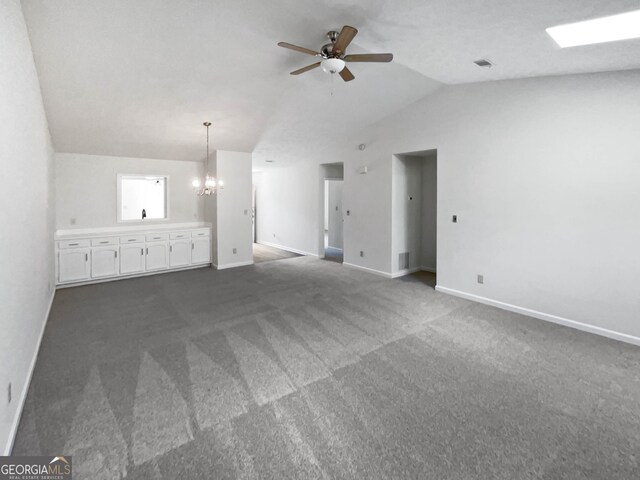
pixel 192 245
pixel 147 250
pixel 170 248
pixel 107 241
pixel 116 254
pixel 86 257
pixel 131 240
pixel 142 251
pixel 73 244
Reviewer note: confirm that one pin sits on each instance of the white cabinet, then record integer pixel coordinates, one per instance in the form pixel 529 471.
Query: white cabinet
pixel 104 261
pixel 157 255
pixel 132 258
pixel 179 252
pixel 201 250
pixel 108 254
pixel 73 265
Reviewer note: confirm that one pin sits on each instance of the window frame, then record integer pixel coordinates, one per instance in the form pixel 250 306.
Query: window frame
pixel 120 177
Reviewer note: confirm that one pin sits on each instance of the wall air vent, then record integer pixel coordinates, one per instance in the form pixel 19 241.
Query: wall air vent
pixel 403 261
pixel 483 63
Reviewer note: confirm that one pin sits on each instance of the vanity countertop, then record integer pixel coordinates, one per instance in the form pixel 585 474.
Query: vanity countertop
pixel 127 229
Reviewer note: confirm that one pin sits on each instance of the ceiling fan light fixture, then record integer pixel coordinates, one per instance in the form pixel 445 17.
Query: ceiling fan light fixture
pixel 332 65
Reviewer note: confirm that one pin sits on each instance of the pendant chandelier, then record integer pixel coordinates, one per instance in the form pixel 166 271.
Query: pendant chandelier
pixel 209 185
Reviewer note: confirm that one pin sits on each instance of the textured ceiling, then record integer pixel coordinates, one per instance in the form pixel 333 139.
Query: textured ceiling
pixel 138 78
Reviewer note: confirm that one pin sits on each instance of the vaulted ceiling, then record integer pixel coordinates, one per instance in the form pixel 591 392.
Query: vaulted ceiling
pixel 138 78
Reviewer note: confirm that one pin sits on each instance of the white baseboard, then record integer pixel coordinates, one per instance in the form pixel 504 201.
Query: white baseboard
pixel 233 265
pixel 408 271
pixel 288 249
pixel 23 396
pixel 585 327
pixel 369 270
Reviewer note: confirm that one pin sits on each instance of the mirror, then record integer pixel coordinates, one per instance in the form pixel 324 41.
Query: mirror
pixel 142 197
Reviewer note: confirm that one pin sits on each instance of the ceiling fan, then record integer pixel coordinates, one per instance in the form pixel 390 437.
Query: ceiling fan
pixel 334 56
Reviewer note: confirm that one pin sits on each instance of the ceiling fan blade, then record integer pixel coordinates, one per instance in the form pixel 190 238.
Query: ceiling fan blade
pixel 305 69
pixel 369 57
pixel 346 74
pixel 297 48
pixel 344 39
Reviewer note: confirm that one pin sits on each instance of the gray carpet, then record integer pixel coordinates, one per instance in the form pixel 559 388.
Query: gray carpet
pixel 307 369
pixel 266 253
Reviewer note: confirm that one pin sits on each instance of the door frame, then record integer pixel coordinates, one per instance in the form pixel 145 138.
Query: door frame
pixel 323 180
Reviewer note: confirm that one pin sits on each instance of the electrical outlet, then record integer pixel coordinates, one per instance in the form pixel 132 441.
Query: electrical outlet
pixel 235 250
pixel 72 221
pixel 246 212
pixel 361 253
pixel 9 393
pixel 480 278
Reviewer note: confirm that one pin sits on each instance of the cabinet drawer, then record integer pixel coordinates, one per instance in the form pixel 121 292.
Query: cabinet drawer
pixel 73 243
pixel 177 235
pixel 99 242
pixel 132 239
pixel 154 237
pixel 201 232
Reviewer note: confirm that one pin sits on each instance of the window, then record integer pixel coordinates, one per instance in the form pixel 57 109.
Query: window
pixel 142 197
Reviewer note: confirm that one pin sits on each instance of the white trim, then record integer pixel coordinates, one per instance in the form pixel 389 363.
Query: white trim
pixel 288 249
pixel 23 396
pixel 119 177
pixel 585 327
pixel 369 270
pixel 407 271
pixel 428 269
pixel 232 265
pixel 132 275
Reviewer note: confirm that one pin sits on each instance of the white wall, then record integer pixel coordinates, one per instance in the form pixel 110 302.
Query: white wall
pixel 429 215
pixel 233 210
pixel 211 207
pixel 27 216
pixel 543 174
pixel 86 188
pixel 334 213
pixel 406 204
pixel 287 208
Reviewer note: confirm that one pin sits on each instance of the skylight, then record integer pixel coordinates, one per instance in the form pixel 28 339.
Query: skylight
pixel 624 26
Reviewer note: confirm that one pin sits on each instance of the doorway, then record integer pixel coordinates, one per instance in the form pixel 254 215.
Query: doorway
pixel 414 215
pixel 331 221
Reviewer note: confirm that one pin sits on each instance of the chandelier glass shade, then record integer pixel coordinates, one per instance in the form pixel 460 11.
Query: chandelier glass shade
pixel 209 185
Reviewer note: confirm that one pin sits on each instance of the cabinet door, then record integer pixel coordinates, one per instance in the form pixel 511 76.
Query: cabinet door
pixel 157 255
pixel 104 261
pixel 132 258
pixel 201 250
pixel 179 253
pixel 73 265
